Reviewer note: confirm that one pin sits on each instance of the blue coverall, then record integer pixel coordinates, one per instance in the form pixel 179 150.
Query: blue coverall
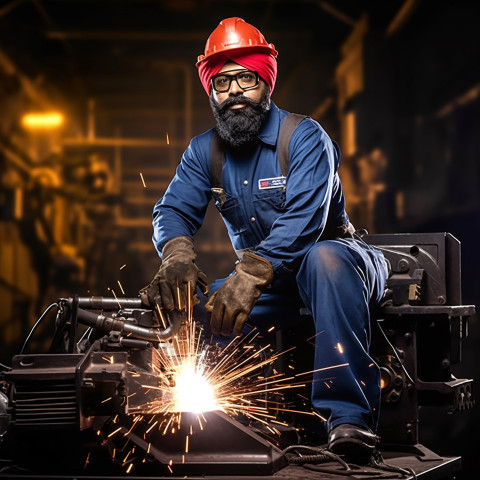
pixel 286 221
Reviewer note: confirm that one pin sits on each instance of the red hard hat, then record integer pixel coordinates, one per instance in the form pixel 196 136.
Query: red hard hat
pixel 235 33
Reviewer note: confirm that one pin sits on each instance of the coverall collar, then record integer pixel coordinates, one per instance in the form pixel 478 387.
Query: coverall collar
pixel 269 131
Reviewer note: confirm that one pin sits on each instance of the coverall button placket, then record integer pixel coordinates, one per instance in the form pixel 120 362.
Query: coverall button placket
pixel 244 170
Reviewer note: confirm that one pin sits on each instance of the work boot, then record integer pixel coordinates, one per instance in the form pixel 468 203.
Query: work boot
pixel 355 443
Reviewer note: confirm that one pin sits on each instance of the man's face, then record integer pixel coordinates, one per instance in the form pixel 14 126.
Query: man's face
pixel 254 94
pixel 239 113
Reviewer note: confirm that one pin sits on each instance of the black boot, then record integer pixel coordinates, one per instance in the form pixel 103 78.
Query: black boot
pixel 356 443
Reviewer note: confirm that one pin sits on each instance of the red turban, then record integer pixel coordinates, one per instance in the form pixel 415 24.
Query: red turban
pixel 262 63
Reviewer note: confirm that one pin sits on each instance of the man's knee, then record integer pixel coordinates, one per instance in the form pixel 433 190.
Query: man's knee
pixel 326 257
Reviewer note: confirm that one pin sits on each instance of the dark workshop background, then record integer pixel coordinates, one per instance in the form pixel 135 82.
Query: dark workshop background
pixel 397 83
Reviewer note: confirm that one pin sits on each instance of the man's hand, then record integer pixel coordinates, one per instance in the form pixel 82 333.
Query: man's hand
pixel 232 303
pixel 177 277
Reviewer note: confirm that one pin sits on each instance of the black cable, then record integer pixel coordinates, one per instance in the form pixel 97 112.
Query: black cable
pixel 376 468
pixel 377 461
pixel 73 324
pixel 86 333
pixel 394 350
pixel 320 454
pixel 37 323
pixel 63 314
pixel 300 460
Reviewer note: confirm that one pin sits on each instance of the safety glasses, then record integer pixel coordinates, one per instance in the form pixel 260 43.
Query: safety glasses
pixel 245 79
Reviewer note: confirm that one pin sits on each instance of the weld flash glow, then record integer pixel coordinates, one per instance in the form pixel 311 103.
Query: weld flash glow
pixel 192 391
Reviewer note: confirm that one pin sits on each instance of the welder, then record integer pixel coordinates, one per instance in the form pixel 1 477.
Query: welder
pixel 295 245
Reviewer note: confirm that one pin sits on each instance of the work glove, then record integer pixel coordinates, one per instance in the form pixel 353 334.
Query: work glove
pixel 169 288
pixel 232 303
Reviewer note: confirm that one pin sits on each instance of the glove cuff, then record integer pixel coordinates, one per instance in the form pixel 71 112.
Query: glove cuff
pixel 176 244
pixel 257 266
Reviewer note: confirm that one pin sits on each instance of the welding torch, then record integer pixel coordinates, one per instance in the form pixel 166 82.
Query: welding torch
pixel 121 324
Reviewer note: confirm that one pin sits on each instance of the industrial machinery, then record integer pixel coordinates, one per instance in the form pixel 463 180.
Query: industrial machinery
pixel 420 327
pixel 96 401
pixel 94 390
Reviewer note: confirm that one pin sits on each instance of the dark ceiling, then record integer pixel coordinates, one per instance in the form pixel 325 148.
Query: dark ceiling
pixel 123 53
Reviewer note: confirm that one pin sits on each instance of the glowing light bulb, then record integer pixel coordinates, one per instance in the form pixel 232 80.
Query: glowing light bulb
pixel 44 120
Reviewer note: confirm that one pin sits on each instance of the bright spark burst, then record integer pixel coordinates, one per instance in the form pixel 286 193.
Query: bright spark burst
pixel 192 391
pixel 196 376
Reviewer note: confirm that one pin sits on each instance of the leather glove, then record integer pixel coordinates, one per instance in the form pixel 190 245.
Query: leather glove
pixel 232 303
pixel 169 288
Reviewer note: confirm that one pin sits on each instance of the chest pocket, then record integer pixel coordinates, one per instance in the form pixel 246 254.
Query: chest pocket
pixel 269 205
pixel 230 209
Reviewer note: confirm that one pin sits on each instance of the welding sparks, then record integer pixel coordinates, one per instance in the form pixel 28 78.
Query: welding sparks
pixel 168 139
pixel 115 295
pixel 318 415
pixel 87 461
pixel 114 432
pixel 195 376
pixel 110 359
pixel 162 317
pixel 178 297
pixel 143 180
pixel 198 377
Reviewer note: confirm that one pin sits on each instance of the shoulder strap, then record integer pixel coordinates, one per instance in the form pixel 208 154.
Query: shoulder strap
pixel 217 154
pixel 217 159
pixel 288 126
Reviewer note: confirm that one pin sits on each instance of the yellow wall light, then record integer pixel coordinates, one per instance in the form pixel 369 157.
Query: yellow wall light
pixel 44 120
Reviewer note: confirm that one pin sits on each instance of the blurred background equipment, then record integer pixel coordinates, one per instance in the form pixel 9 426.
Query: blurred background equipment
pixel 396 83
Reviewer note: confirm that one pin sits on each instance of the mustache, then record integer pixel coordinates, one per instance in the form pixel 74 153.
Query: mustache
pixel 226 104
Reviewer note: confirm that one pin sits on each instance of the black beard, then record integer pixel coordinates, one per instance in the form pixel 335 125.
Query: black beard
pixel 240 127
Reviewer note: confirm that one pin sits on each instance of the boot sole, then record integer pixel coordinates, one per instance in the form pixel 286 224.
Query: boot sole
pixel 352 448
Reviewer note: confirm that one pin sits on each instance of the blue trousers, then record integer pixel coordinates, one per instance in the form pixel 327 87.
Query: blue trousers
pixel 338 282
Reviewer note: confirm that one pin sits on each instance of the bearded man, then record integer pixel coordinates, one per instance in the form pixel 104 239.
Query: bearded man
pixel 288 225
